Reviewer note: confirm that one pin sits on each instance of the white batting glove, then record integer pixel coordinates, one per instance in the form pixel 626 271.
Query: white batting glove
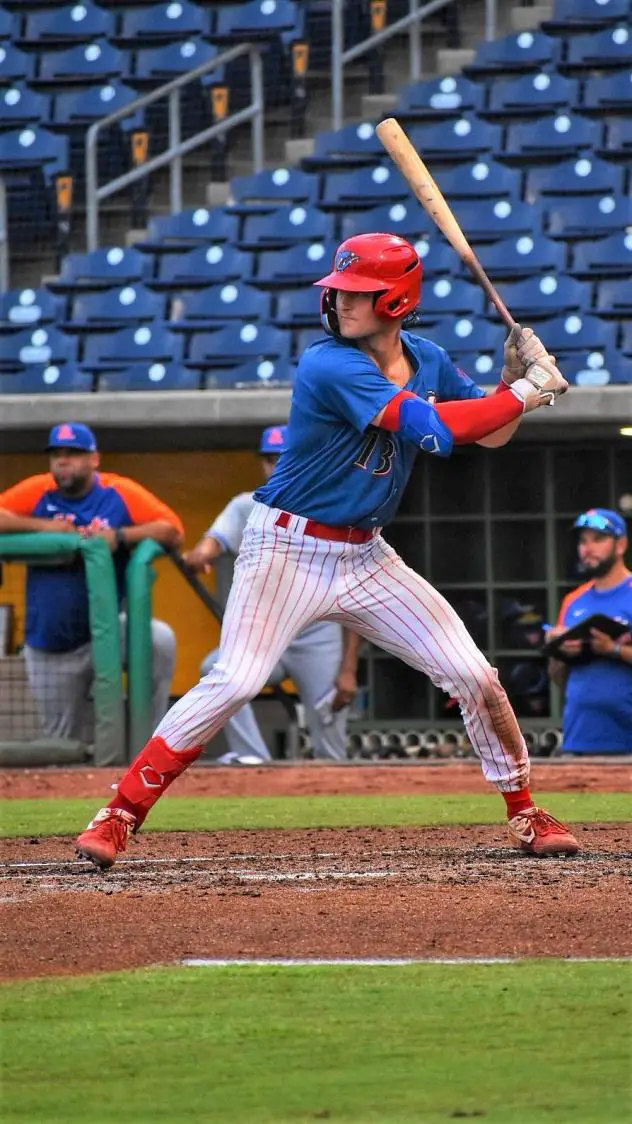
pixel 541 385
pixel 522 348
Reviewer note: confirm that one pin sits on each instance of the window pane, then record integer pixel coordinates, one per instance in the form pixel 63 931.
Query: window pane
pixel 518 551
pixel 581 478
pixel 519 616
pixel 399 691
pixel 457 483
pixel 457 552
pixel 517 480
pixel 527 684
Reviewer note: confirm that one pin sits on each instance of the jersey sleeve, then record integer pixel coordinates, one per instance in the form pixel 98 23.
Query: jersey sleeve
pixel 143 505
pixel 569 600
pixel 454 383
pixel 228 527
pixel 23 498
pixel 345 383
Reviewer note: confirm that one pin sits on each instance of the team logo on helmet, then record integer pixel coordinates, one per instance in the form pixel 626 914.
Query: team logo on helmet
pixel 345 258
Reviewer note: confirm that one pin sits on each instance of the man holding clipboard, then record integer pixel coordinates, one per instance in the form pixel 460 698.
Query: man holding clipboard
pixel 590 649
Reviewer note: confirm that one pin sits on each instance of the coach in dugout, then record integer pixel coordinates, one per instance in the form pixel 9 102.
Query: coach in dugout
pixel 75 497
pixel 596 669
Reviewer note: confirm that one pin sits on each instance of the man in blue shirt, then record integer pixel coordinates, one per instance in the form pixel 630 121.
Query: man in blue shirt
pixel 367 398
pixel 598 675
pixel 74 496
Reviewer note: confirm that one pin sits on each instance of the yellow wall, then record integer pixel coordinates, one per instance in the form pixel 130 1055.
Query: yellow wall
pixel 197 486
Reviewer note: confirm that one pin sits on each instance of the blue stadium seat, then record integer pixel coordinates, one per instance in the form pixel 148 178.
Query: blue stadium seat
pixel 256 374
pixel 578 332
pixel 305 337
pixel 523 256
pixel 115 308
pixel 32 149
pixel 71 23
pixel 139 344
pixel 483 367
pixel 464 138
pixel 610 47
pixel 236 343
pixel 549 295
pixel 598 367
pixel 47 378
pixel 441 97
pixel 482 177
pixel 352 145
pixel 155 65
pixel 531 94
pixel 609 257
pixel 102 269
pixel 286 226
pixel 281 185
pixel 488 219
pixel 363 187
pixel 562 134
pixel 436 254
pixel 461 334
pixel 20 106
pixel 22 307
pixel 81 107
pixel 619 137
pixel 207 265
pixel 92 62
pixel 15 66
pixel 298 308
pixel 7 24
pixel 258 19
pixel 528 50
pixel 447 296
pixel 407 219
pixel 188 229
pixel 582 175
pixel 215 305
pixel 610 93
pixel 587 218
pixel 296 266
pixel 626 339
pixel 614 299
pixel 163 23
pixel 577 15
pixel 39 346
pixel 150 376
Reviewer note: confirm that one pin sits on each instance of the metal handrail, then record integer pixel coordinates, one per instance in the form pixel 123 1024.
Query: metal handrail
pixel 177 147
pixel 411 23
pixel 4 239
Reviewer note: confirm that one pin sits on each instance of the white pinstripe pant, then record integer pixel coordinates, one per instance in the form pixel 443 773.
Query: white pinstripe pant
pixel 285 580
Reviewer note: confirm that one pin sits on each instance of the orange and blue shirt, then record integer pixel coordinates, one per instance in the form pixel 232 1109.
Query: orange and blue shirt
pixel 57 617
pixel 598 704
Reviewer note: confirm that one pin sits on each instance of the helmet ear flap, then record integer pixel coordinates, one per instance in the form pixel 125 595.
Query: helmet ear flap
pixel 328 314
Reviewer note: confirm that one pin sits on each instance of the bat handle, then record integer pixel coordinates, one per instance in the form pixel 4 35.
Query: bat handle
pixel 478 272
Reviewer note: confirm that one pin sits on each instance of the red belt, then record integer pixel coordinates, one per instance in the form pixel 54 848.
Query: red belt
pixel 324 531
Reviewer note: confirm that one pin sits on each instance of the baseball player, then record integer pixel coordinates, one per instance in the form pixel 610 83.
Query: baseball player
pixel 321 663
pixel 75 497
pixel 366 399
pixel 598 687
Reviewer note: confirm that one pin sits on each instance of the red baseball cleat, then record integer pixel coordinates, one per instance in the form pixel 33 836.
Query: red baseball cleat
pixel 539 833
pixel 105 837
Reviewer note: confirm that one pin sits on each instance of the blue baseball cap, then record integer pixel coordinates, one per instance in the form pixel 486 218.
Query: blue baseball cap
pixel 603 520
pixel 72 435
pixel 273 440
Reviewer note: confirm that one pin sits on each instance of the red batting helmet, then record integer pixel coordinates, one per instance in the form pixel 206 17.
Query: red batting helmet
pixel 384 264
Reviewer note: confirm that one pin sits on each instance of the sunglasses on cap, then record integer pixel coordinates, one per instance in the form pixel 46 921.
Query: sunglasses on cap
pixel 594 522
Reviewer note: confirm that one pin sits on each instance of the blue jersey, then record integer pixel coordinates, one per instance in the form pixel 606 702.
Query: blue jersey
pixel 598 706
pixel 57 617
pixel 338 468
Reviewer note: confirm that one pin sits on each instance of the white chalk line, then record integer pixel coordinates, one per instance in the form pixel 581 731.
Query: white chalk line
pixel 393 962
pixel 239 875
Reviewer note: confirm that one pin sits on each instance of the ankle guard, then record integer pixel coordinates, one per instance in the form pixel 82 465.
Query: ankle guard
pixel 155 768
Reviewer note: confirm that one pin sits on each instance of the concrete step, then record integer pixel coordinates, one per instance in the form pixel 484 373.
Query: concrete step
pixel 526 19
pixel 451 60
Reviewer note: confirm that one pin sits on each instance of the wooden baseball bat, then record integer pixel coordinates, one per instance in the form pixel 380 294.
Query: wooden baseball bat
pixel 425 189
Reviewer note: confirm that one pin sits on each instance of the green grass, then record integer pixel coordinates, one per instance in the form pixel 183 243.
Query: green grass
pixel 543 1042
pixel 66 817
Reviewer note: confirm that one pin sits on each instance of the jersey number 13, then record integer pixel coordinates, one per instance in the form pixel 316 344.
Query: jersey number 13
pixel 386 452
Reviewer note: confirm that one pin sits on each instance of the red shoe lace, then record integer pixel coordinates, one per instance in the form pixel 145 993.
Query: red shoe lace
pixel 119 833
pixel 547 823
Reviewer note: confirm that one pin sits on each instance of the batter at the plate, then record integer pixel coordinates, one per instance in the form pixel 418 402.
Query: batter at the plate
pixel 367 398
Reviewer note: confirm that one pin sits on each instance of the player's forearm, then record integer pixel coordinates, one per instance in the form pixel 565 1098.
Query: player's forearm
pixel 557 672
pixel 625 653
pixel 350 650
pixel 462 422
pixel 158 529
pixel 11 524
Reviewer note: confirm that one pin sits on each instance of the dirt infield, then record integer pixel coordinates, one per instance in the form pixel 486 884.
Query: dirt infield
pixel 458 891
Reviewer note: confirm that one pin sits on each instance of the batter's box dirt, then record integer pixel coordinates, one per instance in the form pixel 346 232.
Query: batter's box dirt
pixel 314 893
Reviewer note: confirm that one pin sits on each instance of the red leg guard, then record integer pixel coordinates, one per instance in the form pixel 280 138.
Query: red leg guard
pixel 155 768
